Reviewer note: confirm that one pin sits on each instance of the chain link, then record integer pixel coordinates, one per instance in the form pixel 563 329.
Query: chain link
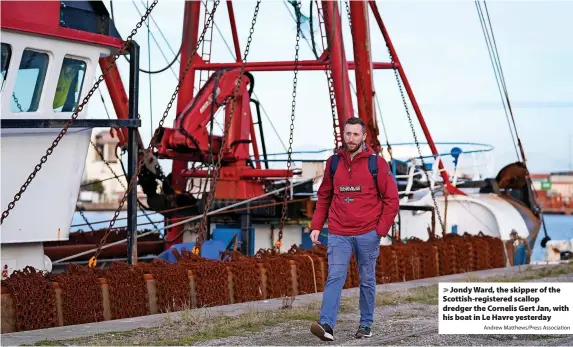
pixel 17 102
pixel 96 148
pixel 289 160
pixel 86 219
pixel 142 157
pixel 416 139
pixel 159 173
pixel 212 186
pixel 79 109
pixel 335 125
pixel 369 110
pixel 369 106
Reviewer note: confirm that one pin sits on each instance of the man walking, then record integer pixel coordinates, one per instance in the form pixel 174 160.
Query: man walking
pixel 361 206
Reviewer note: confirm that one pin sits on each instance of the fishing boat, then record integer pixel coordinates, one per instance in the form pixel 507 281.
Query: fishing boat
pixel 220 191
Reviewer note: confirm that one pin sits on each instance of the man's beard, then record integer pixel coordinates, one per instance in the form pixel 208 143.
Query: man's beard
pixel 355 149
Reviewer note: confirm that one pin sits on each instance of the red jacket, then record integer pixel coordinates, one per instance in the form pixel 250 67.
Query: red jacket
pixel 356 211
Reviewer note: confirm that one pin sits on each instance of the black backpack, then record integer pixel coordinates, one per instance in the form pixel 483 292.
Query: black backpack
pixel 372 167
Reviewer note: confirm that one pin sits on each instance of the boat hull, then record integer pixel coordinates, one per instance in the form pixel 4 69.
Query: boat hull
pixel 45 209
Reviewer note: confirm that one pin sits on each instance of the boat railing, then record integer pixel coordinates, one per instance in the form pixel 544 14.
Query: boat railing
pixel 465 161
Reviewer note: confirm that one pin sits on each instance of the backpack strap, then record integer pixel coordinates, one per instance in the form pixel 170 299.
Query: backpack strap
pixel 373 168
pixel 333 165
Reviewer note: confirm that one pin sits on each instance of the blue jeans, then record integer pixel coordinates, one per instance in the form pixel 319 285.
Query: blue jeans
pixel 366 248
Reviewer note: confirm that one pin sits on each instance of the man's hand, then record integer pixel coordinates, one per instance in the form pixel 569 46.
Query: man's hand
pixel 314 237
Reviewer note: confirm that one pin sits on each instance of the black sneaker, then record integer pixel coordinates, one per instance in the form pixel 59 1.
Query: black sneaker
pixel 363 332
pixel 322 331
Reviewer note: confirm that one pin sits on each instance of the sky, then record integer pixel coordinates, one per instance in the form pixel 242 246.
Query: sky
pixel 443 52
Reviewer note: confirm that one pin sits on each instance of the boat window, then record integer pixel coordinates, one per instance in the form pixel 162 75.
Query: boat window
pixel 30 81
pixel 70 85
pixel 6 55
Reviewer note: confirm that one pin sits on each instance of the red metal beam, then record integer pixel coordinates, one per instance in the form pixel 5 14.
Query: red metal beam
pixel 255 146
pixel 190 36
pixel 304 65
pixel 236 44
pixel 449 187
pixel 238 139
pixel 363 71
pixel 340 76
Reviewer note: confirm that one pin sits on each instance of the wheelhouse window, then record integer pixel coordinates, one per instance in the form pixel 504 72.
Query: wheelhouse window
pixel 69 86
pixel 5 62
pixel 30 81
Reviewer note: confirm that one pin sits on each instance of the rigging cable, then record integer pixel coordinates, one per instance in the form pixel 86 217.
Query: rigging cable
pixel 160 31
pixel 170 64
pixel 492 49
pixel 149 75
pixel 499 78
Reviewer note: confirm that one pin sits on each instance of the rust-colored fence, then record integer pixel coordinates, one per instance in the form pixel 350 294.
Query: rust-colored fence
pixel 33 300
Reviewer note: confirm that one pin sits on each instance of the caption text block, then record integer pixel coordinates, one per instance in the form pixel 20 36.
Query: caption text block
pixel 505 308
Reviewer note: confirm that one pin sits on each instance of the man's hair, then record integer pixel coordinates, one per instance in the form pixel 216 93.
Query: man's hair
pixel 356 120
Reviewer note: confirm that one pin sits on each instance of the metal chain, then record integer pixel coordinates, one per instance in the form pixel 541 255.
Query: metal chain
pixel 86 219
pixel 369 107
pixel 416 139
pixel 212 186
pixel 292 116
pixel 182 79
pixel 17 102
pixel 335 125
pixel 119 180
pixel 370 112
pixel 141 157
pixel 80 107
pixel 25 65
pixel 108 164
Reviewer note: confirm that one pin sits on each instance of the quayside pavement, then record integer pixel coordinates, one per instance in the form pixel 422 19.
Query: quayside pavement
pixel 400 319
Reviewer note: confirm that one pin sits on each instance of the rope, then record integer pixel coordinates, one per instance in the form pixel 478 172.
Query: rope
pixel 313 272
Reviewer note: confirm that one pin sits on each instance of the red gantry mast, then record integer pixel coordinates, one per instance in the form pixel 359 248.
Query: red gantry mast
pixel 182 148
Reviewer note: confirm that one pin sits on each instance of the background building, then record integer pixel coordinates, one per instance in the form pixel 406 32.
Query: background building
pixel 555 191
pixel 106 188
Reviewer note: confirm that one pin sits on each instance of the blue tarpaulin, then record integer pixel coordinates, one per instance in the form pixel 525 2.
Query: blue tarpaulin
pixel 210 250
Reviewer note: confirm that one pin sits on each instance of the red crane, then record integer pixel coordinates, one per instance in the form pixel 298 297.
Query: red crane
pixel 189 138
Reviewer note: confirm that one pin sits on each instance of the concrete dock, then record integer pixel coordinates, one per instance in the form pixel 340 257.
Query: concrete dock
pixel 413 323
